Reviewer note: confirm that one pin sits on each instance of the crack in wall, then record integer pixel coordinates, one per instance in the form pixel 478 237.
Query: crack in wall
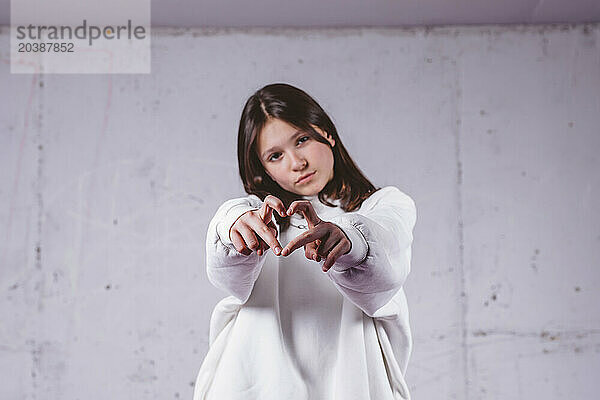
pixel 40 286
pixel 459 205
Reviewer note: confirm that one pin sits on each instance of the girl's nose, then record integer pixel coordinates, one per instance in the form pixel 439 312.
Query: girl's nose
pixel 298 163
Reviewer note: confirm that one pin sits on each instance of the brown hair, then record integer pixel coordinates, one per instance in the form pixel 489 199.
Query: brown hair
pixel 294 106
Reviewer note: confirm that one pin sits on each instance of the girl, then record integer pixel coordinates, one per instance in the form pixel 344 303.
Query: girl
pixel 328 323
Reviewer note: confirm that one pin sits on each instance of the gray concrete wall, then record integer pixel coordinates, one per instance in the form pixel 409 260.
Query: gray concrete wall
pixel 107 184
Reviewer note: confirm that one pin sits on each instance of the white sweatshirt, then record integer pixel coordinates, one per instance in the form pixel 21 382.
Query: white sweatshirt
pixel 290 331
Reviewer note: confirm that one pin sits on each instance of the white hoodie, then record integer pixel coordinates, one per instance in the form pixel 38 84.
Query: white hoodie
pixel 290 331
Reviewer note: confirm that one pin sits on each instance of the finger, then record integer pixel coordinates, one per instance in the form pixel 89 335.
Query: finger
pixel 237 240
pixel 273 228
pixel 300 240
pixel 264 232
pixel 238 243
pixel 275 204
pixel 310 251
pixel 307 210
pixel 265 213
pixel 335 253
pixel 327 245
pixel 249 237
pixel 263 247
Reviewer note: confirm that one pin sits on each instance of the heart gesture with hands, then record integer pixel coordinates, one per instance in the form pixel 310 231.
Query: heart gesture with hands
pixel 255 231
pixel 322 240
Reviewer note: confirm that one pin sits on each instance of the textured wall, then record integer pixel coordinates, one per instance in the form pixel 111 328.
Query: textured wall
pixel 107 184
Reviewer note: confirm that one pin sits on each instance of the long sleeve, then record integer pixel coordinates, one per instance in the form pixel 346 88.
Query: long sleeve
pixel 376 267
pixel 227 269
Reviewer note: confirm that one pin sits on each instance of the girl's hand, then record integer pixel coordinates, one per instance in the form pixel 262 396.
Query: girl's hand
pixel 322 240
pixel 255 230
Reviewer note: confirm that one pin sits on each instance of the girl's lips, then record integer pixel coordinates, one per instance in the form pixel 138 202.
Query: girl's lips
pixel 305 178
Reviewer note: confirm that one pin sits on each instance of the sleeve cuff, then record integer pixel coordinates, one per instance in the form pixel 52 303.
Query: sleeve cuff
pixel 358 251
pixel 229 219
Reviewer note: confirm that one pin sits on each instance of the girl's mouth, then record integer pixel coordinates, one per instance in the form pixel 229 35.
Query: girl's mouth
pixel 305 178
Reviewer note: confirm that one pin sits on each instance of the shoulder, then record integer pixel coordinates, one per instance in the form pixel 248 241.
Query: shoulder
pixel 389 195
pixel 251 201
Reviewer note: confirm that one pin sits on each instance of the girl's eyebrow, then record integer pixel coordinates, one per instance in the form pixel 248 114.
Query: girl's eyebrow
pixel 293 138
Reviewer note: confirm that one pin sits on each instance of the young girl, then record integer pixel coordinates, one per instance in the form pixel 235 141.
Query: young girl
pixel 331 321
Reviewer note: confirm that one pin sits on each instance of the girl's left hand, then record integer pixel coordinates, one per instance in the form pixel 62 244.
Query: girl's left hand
pixel 322 240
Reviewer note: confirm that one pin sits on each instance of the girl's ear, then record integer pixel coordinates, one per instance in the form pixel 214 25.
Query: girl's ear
pixel 326 135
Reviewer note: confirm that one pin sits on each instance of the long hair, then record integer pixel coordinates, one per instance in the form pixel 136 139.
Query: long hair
pixel 297 108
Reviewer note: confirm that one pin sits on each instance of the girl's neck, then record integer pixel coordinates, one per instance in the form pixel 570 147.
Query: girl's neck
pixel 311 197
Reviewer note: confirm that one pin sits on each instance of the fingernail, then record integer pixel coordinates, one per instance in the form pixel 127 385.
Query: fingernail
pixel 315 257
pixel 278 250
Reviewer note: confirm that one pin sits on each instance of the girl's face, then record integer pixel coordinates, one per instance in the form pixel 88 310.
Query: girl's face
pixel 293 159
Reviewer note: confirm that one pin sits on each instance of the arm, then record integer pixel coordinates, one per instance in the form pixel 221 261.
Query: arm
pixel 375 268
pixel 227 269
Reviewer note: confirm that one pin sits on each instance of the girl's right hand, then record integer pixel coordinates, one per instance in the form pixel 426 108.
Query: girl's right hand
pixel 255 231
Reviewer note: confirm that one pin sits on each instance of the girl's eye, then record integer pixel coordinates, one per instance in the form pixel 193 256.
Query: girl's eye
pixel 303 139
pixel 274 156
